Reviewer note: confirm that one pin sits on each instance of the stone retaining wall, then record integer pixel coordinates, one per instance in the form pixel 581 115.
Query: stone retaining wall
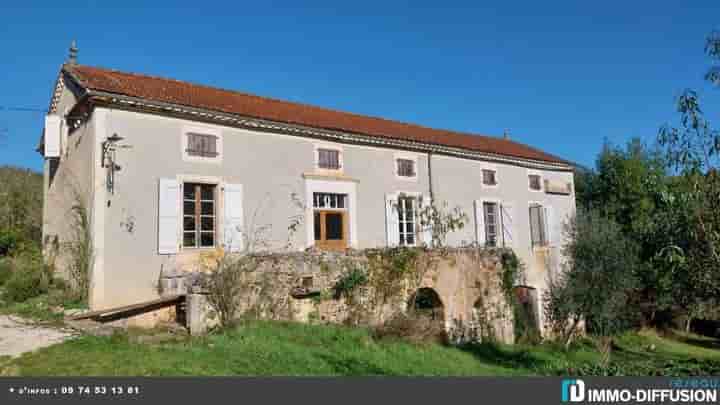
pixel 306 286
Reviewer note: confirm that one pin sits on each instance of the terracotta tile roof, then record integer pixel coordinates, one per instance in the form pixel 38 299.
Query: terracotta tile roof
pixel 198 96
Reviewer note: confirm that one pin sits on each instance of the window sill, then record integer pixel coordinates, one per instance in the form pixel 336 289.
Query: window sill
pixel 198 249
pixel 201 159
pixel 412 179
pixel 328 175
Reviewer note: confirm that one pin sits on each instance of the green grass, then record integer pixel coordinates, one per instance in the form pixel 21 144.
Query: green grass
pixel 40 308
pixel 259 348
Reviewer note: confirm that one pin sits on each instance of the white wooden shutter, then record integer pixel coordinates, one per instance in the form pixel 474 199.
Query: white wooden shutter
pixel 392 223
pixel 426 230
pixel 507 216
pixel 52 136
pixel 234 218
pixel 479 223
pixel 550 231
pixel 169 216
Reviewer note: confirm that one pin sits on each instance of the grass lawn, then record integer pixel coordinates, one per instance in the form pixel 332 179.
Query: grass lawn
pixel 261 348
pixel 46 308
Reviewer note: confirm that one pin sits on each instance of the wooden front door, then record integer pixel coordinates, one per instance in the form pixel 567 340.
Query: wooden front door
pixel 331 229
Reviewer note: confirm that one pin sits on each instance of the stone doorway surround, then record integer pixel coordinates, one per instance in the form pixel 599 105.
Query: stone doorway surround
pixel 315 183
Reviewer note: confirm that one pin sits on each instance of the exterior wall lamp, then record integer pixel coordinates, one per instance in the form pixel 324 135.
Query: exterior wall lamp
pixel 109 159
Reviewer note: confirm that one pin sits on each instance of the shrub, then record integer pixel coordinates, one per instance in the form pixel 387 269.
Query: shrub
pixel 349 282
pixel 415 326
pixel 5 270
pixel 29 279
pixel 225 284
pixel 9 240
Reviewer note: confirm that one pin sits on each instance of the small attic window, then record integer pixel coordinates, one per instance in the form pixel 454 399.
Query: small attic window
pixel 406 168
pixel 202 145
pixel 328 159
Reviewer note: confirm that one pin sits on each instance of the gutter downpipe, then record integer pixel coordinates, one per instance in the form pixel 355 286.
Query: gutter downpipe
pixel 430 177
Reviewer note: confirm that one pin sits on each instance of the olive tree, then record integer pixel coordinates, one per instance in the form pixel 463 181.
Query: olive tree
pixel 597 283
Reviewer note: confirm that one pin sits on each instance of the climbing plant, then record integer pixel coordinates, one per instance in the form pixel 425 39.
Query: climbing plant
pixel 440 220
pixel 349 282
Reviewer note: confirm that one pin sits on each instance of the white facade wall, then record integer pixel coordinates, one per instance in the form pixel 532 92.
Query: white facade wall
pixel 272 167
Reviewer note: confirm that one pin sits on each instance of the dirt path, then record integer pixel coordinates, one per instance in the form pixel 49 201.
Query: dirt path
pixel 18 336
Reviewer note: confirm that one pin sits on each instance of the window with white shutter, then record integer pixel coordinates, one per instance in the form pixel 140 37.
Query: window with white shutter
pixel 407 220
pixel 538 227
pixel 233 217
pixel 479 223
pixel 392 226
pixel 490 214
pixel 506 220
pixel 51 136
pixel 199 215
pixel 168 215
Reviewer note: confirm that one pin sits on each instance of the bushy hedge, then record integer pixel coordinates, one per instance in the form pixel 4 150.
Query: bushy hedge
pixel 29 278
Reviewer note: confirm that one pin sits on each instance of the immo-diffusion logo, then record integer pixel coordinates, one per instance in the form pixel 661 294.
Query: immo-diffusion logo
pixel 573 391
pixel 679 391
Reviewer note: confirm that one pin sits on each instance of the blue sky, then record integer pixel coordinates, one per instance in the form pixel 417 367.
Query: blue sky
pixel 559 75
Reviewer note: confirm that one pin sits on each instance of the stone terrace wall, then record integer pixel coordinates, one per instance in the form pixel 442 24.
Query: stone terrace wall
pixel 319 287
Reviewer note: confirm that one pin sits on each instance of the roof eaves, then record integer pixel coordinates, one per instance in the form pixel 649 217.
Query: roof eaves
pixel 225 118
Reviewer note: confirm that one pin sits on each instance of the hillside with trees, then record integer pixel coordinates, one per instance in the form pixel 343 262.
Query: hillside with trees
pixel 21 204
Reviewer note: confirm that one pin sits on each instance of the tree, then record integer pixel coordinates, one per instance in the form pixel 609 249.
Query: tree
pixel 626 184
pixel 585 181
pixel 20 207
pixel 693 152
pixel 597 283
pixel 712 49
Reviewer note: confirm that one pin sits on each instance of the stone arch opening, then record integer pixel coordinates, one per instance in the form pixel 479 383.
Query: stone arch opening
pixel 427 303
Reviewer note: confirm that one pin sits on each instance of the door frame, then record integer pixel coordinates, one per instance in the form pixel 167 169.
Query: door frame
pixel 332 245
pixel 318 184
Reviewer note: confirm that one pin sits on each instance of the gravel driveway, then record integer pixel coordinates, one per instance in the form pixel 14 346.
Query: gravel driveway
pixel 18 336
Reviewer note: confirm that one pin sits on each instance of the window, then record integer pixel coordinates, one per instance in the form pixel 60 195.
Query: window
pixel 199 215
pixel 489 177
pixel 329 200
pixel 535 182
pixel 330 221
pixel 490 212
pixel 328 159
pixel 537 225
pixel 53 166
pixel 407 220
pixel 406 168
pixel 202 145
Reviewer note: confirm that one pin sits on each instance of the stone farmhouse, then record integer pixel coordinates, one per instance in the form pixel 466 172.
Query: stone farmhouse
pixel 168 170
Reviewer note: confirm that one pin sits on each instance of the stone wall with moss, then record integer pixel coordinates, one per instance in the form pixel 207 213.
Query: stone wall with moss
pixel 467 290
